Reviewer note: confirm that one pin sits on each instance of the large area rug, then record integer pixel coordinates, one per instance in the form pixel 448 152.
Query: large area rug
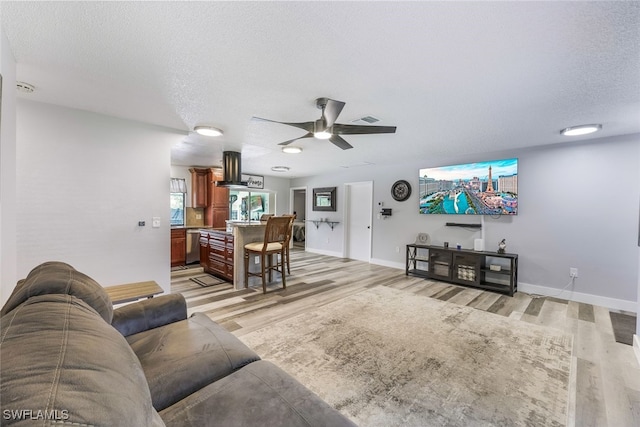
pixel 385 357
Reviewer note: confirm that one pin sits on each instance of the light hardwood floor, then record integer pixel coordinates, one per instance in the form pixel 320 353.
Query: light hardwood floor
pixel 605 380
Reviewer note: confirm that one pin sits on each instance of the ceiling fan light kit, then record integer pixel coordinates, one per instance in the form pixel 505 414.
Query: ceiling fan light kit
pixel 581 130
pixel 327 128
pixel 322 135
pixel 207 131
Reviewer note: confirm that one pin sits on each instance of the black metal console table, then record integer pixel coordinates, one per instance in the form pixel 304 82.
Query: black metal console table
pixel 479 269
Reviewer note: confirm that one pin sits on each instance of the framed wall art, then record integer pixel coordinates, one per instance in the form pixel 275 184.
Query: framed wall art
pixel 324 199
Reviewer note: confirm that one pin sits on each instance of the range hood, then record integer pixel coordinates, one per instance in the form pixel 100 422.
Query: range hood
pixel 231 170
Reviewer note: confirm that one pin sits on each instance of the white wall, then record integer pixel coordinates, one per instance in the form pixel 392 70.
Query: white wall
pixel 8 258
pixel 578 207
pixel 279 186
pixel 636 338
pixel 84 182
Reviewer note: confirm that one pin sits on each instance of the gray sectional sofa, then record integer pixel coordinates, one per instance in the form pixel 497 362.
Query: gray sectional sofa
pixel 68 358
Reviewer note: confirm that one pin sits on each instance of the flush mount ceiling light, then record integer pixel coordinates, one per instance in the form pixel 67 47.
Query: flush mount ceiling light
pixel 207 131
pixel 292 150
pixel 25 87
pixel 280 168
pixel 581 130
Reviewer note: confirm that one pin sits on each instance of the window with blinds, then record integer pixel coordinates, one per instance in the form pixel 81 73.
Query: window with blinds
pixel 178 192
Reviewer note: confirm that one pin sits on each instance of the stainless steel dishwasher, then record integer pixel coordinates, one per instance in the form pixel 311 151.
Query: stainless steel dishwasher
pixel 193 246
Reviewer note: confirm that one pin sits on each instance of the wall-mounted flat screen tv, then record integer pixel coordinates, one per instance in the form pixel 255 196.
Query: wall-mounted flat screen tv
pixel 483 188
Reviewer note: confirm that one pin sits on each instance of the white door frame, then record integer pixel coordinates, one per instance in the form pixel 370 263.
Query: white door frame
pixel 347 207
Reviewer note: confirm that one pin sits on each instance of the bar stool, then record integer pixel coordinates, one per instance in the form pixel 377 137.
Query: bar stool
pixel 275 236
pixel 287 244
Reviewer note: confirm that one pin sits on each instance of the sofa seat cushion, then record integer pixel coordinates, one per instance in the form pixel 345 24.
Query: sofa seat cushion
pixel 260 394
pixel 59 356
pixel 182 357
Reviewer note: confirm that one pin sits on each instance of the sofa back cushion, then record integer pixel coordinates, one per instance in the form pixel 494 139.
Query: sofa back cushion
pixel 55 277
pixel 61 360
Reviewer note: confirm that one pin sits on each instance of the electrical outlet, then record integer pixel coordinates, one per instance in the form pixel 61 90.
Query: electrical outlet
pixel 256 260
pixel 398 249
pixel 573 272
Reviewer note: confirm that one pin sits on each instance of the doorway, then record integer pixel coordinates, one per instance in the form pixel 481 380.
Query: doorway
pixel 358 215
pixel 298 206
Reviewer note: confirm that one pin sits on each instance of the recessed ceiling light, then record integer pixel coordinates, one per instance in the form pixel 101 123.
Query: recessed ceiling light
pixel 207 131
pixel 292 150
pixel 280 168
pixel 25 87
pixel 581 130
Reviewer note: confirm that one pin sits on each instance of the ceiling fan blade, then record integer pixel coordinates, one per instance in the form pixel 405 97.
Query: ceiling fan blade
pixel 332 110
pixel 361 129
pixel 340 142
pixel 308 126
pixel 309 135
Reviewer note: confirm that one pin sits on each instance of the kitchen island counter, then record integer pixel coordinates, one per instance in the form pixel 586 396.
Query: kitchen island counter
pixel 243 232
pixel 222 251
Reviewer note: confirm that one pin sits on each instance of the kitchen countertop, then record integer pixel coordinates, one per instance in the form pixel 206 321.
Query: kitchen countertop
pixel 246 223
pixel 217 230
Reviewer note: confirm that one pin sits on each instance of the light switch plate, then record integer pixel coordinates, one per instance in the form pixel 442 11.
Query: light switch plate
pixel 156 222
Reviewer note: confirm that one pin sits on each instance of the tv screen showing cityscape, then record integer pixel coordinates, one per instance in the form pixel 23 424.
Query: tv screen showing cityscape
pixel 483 188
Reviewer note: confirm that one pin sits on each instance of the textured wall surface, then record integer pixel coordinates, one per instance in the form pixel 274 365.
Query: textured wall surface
pixel 84 182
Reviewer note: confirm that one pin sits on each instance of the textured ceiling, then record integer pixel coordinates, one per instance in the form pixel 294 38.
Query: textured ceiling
pixel 454 77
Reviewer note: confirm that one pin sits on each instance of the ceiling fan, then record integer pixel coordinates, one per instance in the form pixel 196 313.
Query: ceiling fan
pixel 327 128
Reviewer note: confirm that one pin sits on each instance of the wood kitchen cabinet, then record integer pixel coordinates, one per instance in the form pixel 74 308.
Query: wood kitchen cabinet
pixel 178 246
pixel 199 187
pixel 216 253
pixel 219 195
pixel 205 194
pixel 217 211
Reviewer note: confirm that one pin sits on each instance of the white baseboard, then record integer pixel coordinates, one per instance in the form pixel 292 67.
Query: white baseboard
pixel 323 252
pixel 387 263
pixel 616 304
pixel 612 303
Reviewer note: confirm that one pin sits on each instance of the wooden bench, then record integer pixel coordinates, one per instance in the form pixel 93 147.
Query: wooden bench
pixel 133 291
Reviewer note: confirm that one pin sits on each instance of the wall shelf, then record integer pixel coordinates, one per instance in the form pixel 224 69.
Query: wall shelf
pixel 317 223
pixel 463 225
